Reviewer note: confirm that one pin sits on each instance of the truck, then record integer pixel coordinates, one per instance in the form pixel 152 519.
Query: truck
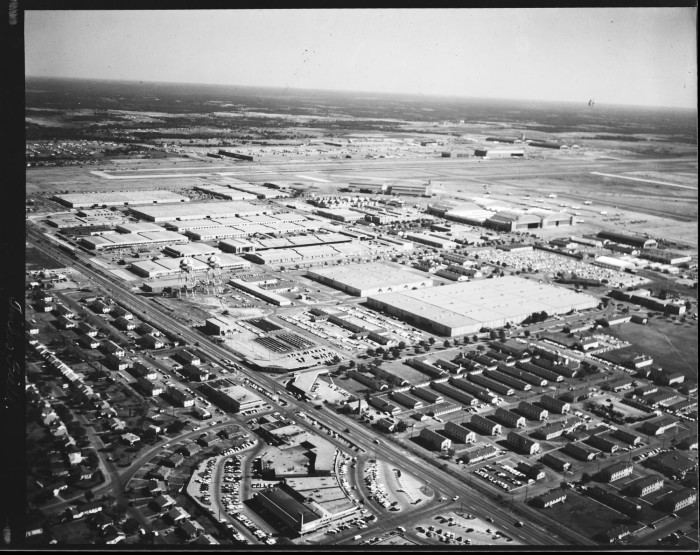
pixel 357 537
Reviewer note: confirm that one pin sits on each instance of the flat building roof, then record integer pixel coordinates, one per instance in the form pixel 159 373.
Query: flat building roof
pixel 487 303
pixel 375 275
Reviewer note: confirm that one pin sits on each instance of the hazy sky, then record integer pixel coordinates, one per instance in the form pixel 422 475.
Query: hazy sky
pixel 644 56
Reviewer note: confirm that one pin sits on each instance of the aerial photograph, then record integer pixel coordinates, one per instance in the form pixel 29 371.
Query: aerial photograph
pixel 358 279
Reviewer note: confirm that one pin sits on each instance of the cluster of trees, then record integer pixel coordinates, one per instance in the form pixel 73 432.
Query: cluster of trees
pixel 536 317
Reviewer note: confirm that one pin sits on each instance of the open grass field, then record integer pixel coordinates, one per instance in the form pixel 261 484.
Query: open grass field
pixel 673 345
pixel 36 260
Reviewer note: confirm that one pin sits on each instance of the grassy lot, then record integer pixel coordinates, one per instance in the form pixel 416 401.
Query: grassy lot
pixel 36 260
pixel 77 532
pixel 674 346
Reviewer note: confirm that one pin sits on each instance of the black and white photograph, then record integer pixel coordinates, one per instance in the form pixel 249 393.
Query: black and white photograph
pixel 371 279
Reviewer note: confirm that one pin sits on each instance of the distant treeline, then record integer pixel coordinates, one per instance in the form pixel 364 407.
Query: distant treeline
pixel 628 138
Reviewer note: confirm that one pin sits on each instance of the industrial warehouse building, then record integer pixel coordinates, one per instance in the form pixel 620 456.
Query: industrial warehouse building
pixel 499 152
pixel 631 240
pixel 507 220
pixel 464 308
pixel 145 239
pixel 369 279
pixel 171 266
pixel 198 211
pixel 119 198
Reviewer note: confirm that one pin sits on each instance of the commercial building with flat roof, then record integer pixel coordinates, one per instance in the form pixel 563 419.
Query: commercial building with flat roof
pixel 369 279
pixel 464 308
pixel 300 513
pixel 198 211
pixel 119 198
pixel 235 397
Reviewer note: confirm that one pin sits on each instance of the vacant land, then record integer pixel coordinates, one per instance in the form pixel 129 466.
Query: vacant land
pixel 672 344
pixel 36 260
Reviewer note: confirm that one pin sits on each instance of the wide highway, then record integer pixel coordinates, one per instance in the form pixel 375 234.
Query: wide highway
pixel 533 533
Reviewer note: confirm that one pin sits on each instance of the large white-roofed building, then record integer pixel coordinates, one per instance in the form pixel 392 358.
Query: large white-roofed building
pixel 464 308
pixel 369 279
pixel 198 211
pixel 191 249
pixel 119 198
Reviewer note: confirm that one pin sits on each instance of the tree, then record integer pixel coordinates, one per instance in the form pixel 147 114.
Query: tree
pixel 431 341
pixel 446 344
pixel 371 352
pixel 130 526
pixel 466 340
pixel 402 345
pixel 351 364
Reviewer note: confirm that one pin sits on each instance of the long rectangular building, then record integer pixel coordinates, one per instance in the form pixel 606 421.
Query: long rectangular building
pixel 369 279
pixel 119 198
pixel 457 394
pixel 509 379
pixel 492 384
pixel 478 391
pixel 198 211
pixel 464 308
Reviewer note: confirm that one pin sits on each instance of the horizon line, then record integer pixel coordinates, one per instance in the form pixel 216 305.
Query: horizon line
pixel 387 93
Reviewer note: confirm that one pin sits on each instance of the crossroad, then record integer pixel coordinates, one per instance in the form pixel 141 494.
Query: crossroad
pixel 538 531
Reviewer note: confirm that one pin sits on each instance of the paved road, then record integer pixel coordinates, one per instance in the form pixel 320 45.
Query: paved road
pixel 532 535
